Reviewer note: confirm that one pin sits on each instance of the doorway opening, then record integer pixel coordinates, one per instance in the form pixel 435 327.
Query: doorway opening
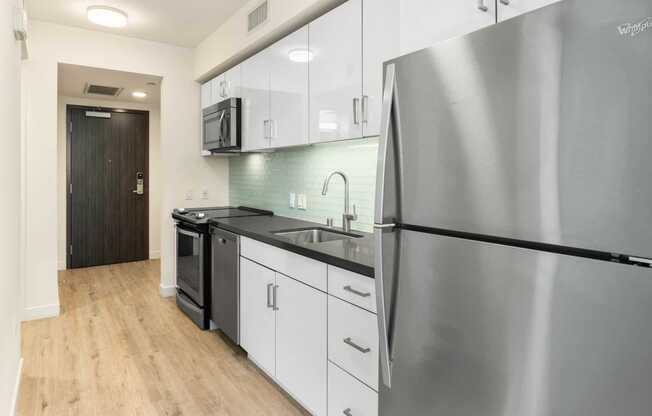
pixel 109 151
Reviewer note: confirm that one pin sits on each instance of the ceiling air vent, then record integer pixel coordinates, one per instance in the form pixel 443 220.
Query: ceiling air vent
pixel 102 90
pixel 258 16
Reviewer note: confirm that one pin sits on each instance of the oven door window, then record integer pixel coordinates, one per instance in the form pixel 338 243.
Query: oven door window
pixel 190 269
pixel 216 129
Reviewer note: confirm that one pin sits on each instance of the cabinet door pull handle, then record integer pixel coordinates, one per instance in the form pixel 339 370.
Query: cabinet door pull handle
pixel 350 343
pixel 356 292
pixel 269 298
pixel 347 412
pixel 365 108
pixel 356 103
pixel 275 297
pixel 482 7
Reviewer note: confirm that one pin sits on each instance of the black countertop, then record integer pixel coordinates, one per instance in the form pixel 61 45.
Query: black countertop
pixel 355 254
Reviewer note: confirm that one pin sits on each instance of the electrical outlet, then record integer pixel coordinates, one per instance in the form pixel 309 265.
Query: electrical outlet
pixel 188 194
pixel 293 199
pixel 204 193
pixel 302 202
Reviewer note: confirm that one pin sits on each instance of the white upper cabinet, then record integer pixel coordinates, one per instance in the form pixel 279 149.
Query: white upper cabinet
pixel 422 23
pixel 301 357
pixel 217 89
pixel 288 68
pixel 379 44
pixel 336 74
pixel 206 94
pixel 227 85
pixel 512 8
pixel 255 102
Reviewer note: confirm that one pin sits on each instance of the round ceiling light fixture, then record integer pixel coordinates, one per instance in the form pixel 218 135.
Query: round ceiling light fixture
pixel 107 16
pixel 139 94
pixel 301 55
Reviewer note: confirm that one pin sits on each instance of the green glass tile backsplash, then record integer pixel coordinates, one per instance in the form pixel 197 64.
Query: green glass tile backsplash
pixel 265 180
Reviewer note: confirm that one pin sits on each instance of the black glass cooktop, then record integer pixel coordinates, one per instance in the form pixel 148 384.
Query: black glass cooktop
pixel 202 215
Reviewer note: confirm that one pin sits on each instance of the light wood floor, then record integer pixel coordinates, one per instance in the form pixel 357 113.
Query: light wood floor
pixel 119 349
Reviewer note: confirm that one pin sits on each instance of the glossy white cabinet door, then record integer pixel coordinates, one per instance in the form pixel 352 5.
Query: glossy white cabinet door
pixel 206 94
pixel 512 8
pixel 423 23
pixel 255 102
pixel 336 73
pixel 301 343
pixel 257 319
pixel 217 89
pixel 289 91
pixel 380 42
pixel 232 82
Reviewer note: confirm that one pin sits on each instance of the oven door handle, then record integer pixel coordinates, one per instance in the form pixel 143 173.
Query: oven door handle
pixel 188 233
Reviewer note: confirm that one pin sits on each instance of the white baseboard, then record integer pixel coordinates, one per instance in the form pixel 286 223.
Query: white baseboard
pixel 40 312
pixel 167 291
pixel 155 254
pixel 61 265
pixel 14 399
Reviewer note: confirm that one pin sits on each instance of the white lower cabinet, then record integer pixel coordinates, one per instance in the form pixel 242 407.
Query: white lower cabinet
pixel 353 340
pixel 294 331
pixel 257 317
pixel 348 396
pixel 301 342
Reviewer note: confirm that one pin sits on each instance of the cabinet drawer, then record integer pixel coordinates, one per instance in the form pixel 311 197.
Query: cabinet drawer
pixel 308 271
pixel 345 392
pixel 353 340
pixel 352 287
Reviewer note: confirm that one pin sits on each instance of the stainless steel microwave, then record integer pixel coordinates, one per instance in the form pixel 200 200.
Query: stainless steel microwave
pixel 221 130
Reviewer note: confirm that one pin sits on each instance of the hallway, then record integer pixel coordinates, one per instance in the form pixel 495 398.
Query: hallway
pixel 118 348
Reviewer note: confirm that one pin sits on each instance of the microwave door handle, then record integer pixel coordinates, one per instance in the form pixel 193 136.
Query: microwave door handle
pixel 220 138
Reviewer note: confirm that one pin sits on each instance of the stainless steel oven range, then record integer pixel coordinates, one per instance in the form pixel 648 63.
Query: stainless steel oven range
pixel 193 258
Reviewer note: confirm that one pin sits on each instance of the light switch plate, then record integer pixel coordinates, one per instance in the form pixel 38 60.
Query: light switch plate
pixel 293 199
pixel 204 193
pixel 302 203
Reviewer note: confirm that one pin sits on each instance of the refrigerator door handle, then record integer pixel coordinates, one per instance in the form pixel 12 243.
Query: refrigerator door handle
pixel 390 113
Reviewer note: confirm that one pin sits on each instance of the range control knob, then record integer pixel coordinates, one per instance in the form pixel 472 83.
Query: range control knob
pixel 200 215
pixel 182 210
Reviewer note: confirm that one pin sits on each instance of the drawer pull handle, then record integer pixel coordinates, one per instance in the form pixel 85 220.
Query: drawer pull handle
pixel 357 292
pixel 347 412
pixel 349 342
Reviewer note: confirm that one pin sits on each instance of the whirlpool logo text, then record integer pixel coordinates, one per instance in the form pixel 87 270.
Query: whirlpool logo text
pixel 633 29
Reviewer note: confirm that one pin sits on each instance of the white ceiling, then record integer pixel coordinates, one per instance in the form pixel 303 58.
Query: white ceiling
pixel 177 22
pixel 73 79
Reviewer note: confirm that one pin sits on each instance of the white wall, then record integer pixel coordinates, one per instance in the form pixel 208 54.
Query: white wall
pixel 154 170
pixel 182 167
pixel 231 43
pixel 9 208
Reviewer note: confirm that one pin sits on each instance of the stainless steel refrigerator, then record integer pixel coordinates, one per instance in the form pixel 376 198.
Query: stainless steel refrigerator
pixel 514 218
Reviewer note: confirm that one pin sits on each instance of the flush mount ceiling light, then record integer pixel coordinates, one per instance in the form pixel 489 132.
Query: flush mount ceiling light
pixel 301 55
pixel 139 94
pixel 107 16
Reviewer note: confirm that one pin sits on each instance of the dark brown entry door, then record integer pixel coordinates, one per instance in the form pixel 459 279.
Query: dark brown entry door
pixel 107 217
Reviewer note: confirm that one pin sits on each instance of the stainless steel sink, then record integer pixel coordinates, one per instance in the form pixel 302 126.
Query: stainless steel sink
pixel 314 235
